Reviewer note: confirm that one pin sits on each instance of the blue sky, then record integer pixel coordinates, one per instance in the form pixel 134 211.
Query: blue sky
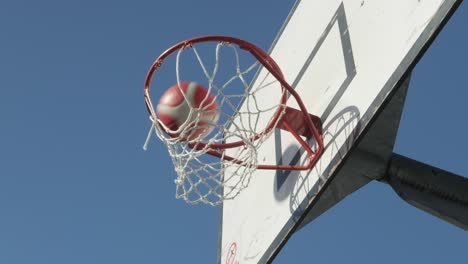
pixel 76 186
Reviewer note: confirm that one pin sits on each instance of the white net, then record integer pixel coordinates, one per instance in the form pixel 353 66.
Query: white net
pixel 241 111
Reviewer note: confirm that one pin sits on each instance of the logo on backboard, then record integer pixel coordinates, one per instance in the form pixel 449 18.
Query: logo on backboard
pixel 232 254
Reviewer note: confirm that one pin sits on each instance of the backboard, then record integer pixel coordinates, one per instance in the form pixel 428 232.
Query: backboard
pixel 345 59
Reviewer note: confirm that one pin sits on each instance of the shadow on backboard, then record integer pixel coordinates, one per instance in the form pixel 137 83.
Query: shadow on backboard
pixel 302 186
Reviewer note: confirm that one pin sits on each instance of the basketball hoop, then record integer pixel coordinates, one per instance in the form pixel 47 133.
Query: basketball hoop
pixel 218 165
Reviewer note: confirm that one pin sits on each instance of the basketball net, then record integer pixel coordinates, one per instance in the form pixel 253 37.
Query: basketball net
pixel 251 94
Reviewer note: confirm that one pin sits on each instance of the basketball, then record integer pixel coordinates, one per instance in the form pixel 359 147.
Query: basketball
pixel 189 111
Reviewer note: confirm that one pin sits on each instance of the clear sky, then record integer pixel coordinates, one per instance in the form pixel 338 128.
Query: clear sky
pixel 76 186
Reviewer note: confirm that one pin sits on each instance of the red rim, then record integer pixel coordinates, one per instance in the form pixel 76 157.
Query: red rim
pixel 273 68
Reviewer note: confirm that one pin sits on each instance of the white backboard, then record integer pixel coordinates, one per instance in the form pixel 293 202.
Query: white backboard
pixel 344 58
